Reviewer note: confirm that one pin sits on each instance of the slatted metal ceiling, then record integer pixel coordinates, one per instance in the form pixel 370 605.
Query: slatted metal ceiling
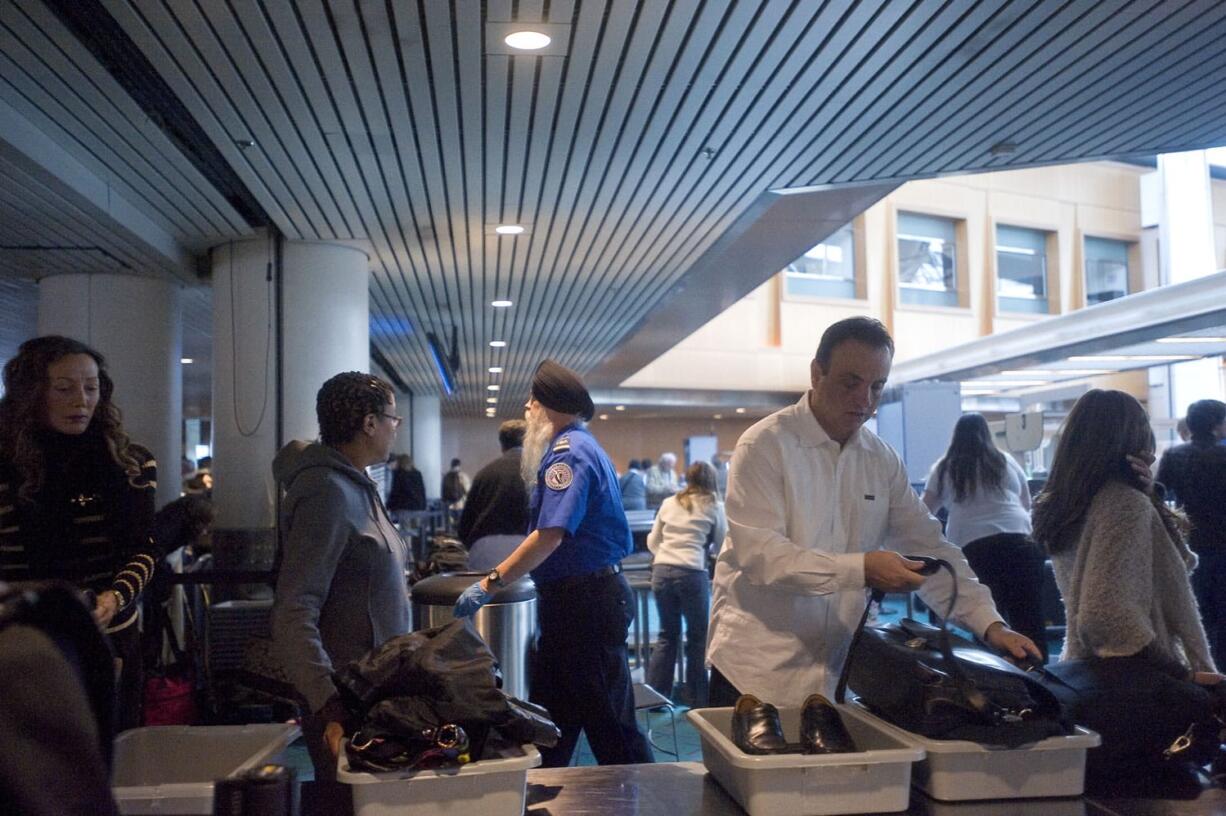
pixel 627 158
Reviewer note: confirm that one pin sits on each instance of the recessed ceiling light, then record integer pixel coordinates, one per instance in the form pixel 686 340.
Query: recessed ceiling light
pixel 604 416
pixel 619 407
pixel 245 143
pixel 500 304
pixel 497 343
pixel 492 387
pixel 1191 340
pixel 740 410
pixel 718 416
pixel 495 369
pixel 491 399
pixel 527 40
pixel 186 360
pixel 509 229
pixel 1128 358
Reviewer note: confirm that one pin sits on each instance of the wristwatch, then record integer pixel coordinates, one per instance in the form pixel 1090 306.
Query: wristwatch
pixel 494 577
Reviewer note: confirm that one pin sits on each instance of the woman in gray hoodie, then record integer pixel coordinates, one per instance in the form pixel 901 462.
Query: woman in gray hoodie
pixel 341 589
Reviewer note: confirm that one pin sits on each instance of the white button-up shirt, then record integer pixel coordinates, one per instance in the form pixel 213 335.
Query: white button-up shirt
pixel 789 583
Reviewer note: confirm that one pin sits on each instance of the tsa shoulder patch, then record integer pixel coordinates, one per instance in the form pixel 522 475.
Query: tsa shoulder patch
pixel 559 476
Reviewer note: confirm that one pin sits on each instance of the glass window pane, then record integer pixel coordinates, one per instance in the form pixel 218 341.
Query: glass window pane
pixel 1106 269
pixel 926 267
pixel 1021 269
pixel 826 270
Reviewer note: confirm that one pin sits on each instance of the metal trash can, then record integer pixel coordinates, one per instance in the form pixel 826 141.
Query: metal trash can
pixel 507 623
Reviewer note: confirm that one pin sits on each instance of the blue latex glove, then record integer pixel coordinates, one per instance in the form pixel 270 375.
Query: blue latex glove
pixel 470 601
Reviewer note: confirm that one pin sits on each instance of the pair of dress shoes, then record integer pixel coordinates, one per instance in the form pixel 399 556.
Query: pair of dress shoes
pixel 756 728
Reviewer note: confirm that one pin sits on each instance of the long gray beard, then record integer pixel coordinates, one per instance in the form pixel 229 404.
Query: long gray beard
pixel 536 442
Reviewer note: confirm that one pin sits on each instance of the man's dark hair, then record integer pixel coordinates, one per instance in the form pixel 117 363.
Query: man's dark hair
pixel 866 330
pixel 511 433
pixel 343 403
pixel 1205 415
pixel 455 463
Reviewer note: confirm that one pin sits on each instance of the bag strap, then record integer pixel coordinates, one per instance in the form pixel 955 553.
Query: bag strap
pixel 955 670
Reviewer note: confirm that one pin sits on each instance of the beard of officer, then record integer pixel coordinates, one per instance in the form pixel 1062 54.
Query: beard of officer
pixel 536 443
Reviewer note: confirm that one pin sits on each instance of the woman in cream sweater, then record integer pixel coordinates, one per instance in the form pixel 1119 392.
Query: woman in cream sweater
pixel 1118 553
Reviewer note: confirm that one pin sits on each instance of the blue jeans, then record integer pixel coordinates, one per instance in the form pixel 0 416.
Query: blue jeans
pixel 681 593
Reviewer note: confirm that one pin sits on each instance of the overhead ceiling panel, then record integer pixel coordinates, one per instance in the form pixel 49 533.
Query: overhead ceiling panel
pixel 626 157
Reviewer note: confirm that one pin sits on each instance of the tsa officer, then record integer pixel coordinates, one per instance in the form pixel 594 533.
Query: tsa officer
pixel 578 537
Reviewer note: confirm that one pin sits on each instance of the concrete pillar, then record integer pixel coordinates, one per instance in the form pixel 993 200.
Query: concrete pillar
pixel 136 323
pixel 324 330
pixel 427 450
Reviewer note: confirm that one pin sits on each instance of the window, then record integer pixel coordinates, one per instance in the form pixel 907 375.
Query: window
pixel 1106 270
pixel 927 247
pixel 1021 269
pixel 826 270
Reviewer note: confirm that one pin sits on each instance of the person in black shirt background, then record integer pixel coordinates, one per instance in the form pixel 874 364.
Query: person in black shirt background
pixel 497 502
pixel 1194 476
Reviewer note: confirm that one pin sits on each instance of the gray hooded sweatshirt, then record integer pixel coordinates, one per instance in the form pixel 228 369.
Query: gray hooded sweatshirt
pixel 341 590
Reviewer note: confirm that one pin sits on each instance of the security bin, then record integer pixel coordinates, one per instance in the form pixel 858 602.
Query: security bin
pixel 507 623
pixel 170 769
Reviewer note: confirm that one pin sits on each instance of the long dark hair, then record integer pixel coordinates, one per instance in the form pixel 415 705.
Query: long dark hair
pixel 700 482
pixel 972 461
pixel 1103 428
pixel 24 406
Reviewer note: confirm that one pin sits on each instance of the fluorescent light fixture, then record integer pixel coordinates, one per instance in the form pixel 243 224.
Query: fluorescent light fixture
pixel 492 387
pixel 1129 358
pixel 740 410
pixel 619 407
pixel 1191 340
pixel 498 343
pixel 500 304
pixel 718 416
pixel 445 364
pixel 999 384
pixel 495 369
pixel 604 416
pixel 527 40
pixel 186 360
pixel 491 399
pixel 509 229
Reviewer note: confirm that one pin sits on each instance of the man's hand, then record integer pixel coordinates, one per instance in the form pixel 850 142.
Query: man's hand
pixel 334 732
pixel 1010 643
pixel 1140 463
pixel 470 601
pixel 1203 678
pixel 891 572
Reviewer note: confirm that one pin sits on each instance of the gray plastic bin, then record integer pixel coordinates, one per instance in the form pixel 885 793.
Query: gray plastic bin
pixel 170 769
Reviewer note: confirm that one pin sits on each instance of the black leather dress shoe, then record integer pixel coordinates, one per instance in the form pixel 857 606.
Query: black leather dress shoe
pixel 756 728
pixel 821 728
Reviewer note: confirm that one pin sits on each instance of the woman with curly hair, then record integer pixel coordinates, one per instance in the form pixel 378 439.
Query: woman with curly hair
pixel 1118 552
pixel 76 495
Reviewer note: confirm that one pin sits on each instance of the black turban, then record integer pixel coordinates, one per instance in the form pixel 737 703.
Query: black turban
pixel 560 389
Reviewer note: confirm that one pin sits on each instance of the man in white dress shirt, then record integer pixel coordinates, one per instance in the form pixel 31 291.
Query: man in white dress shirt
pixel 813 501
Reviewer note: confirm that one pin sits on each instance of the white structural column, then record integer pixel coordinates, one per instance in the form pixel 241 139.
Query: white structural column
pixel 1187 250
pixel 325 330
pixel 136 323
pixel 428 442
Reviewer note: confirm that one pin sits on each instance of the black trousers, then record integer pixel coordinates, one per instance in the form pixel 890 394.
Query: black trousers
pixel 580 673
pixel 1209 584
pixel 130 686
pixel 722 693
pixel 1010 565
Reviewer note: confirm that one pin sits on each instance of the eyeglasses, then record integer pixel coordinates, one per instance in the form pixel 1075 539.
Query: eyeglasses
pixel 396 420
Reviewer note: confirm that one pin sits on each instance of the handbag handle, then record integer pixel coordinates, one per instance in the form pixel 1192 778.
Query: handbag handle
pixel 877 595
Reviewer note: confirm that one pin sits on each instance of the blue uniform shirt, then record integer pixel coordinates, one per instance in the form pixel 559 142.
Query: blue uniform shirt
pixel 576 489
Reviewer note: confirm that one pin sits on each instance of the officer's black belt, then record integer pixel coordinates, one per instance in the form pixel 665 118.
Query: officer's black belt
pixel 573 581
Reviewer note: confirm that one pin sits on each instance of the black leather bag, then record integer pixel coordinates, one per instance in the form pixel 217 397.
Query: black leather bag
pixel 1146 717
pixel 928 681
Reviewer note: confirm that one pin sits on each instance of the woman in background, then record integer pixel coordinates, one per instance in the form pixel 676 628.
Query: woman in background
pixel 689 526
pixel 76 496
pixel 1119 555
pixel 988 501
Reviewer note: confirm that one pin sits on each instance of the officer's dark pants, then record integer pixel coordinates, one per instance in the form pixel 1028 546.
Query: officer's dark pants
pixel 580 672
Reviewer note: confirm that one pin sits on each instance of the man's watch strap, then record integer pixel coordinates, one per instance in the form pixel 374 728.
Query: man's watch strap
pixel 494 577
